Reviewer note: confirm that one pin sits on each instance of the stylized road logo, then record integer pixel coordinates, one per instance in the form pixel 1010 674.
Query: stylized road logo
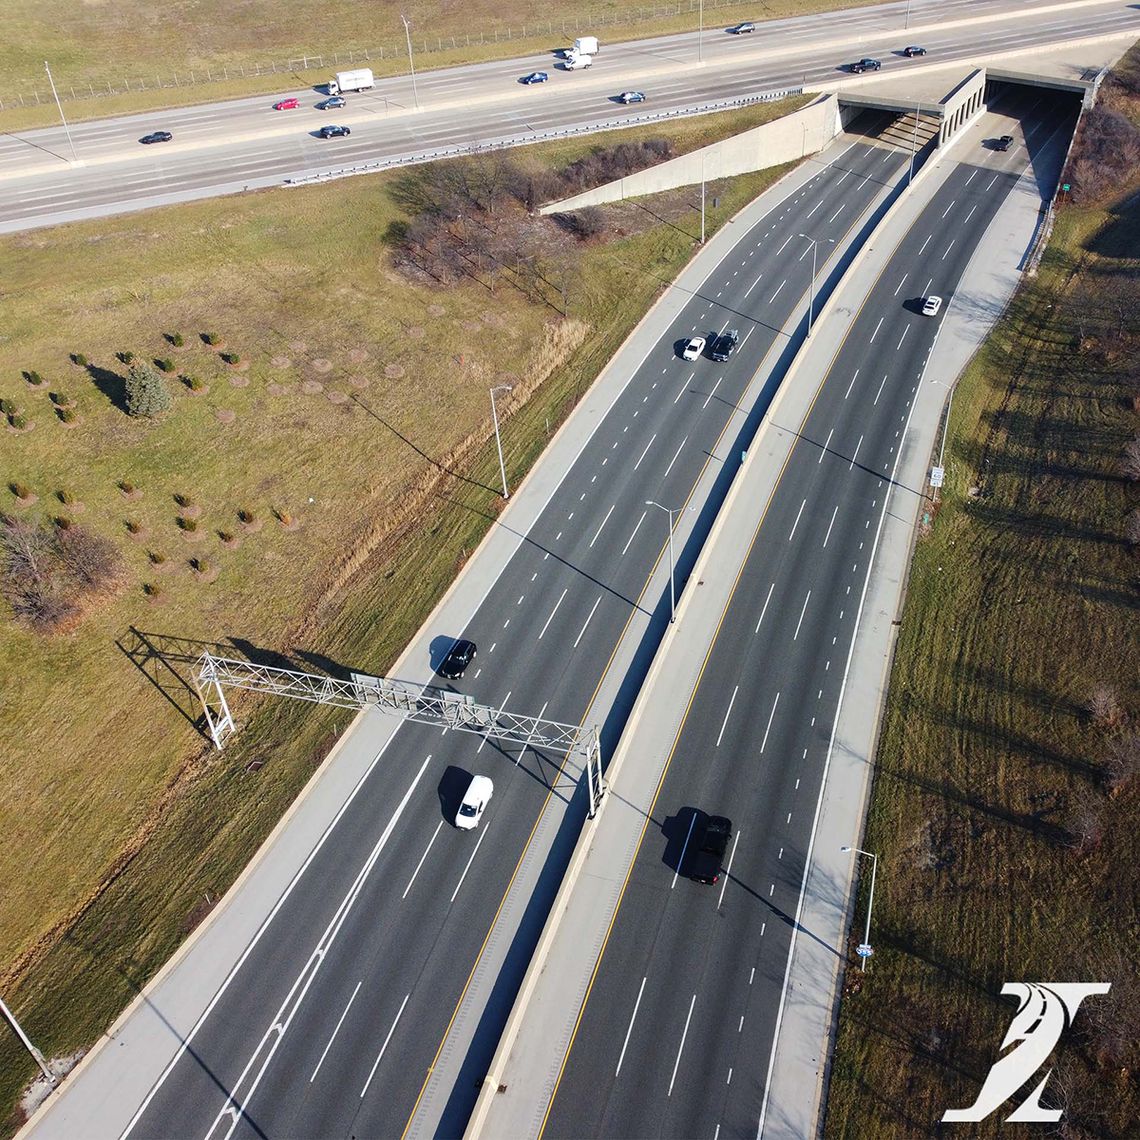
pixel 1045 1011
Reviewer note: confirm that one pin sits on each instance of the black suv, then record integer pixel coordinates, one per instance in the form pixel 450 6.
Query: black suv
pixel 861 65
pixel 707 846
pixel 742 28
pixel 459 656
pixel 333 132
pixel 722 346
pixel 1004 143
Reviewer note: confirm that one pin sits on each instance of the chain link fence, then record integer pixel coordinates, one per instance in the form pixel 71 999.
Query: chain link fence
pixel 31 93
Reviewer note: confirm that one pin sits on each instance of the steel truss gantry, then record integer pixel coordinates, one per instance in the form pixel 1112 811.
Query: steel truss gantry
pixel 423 704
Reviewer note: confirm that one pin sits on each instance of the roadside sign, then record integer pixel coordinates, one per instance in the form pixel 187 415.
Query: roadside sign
pixel 936 476
pixel 1065 187
pixel 864 950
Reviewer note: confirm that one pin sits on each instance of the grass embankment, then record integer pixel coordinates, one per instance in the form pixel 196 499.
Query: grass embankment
pixel 1007 835
pixel 130 56
pixel 122 827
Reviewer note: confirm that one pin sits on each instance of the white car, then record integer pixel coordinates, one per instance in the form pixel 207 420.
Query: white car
pixel 931 306
pixel 475 801
pixel 694 346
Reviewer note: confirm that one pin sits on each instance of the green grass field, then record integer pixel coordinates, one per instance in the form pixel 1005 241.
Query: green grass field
pixel 1006 851
pixel 152 52
pixel 123 825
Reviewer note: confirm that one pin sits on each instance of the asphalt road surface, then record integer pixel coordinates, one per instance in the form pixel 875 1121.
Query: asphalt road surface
pixel 224 147
pixel 332 1021
pixel 676 1035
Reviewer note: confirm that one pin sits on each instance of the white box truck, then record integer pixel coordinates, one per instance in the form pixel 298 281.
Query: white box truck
pixel 358 80
pixel 585 45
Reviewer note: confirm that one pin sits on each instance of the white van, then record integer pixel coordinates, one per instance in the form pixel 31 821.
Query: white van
pixel 475 801
pixel 577 62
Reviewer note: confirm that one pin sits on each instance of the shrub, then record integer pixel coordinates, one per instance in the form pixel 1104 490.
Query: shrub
pixel 211 338
pixel 126 486
pixel 184 500
pixel 245 515
pixel 18 422
pixel 231 357
pixel 152 589
pixel 134 526
pixel 157 558
pixel 7 407
pixel 187 524
pixel 284 518
pixel 147 394
pixel 177 340
pixel 62 522
pixel 79 358
pixel 65 496
pixel 226 535
pixel 202 565
pixel 67 415
pixel 193 383
pixel 20 490
pixel 164 364
pixel 126 356
pixel 34 378
pixel 60 399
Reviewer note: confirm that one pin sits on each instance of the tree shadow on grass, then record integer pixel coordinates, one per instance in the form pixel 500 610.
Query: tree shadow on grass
pixel 111 384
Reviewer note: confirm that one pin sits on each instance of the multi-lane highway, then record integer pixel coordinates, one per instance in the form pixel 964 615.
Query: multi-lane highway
pixel 224 147
pixel 678 1029
pixel 331 1023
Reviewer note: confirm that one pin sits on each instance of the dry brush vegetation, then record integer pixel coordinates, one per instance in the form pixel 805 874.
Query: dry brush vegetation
pixel 1006 805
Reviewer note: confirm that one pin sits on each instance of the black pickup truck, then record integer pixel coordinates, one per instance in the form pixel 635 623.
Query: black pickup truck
pixel 707 846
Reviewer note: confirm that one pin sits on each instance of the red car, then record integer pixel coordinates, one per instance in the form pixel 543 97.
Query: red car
pixel 286 104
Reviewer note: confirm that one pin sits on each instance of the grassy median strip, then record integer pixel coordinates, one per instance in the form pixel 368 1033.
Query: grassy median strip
pixel 1005 804
pixel 326 468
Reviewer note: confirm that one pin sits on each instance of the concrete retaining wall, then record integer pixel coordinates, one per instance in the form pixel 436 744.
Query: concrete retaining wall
pixel 803 132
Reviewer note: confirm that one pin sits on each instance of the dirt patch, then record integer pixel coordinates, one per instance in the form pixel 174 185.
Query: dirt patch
pixel 281 362
pixel 225 416
pixel 393 371
pixel 312 387
pixel 322 365
pixel 357 355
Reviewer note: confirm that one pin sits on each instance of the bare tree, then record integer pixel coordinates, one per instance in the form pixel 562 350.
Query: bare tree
pixel 1130 461
pixel 1104 707
pixel 1122 763
pixel 1132 527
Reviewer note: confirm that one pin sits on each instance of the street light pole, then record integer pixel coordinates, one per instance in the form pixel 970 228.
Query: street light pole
pixel 700 27
pixel 906 22
pixel 36 1054
pixel 67 129
pixel 811 286
pixel 411 65
pixel 672 588
pixel 865 950
pixel 702 199
pixel 913 143
pixel 498 441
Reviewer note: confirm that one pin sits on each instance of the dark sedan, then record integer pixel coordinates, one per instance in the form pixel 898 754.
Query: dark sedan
pixel 459 656
pixel 534 77
pixel 333 132
pixel 156 136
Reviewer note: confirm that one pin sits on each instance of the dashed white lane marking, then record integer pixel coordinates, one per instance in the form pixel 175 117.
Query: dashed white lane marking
pixel 579 637
pixel 771 717
pixel 876 332
pixel 482 835
pixel 338 1025
pixel 786 240
pixel 556 605
pixel 814 208
pixel 949 248
pixel 520 601
pixel 777 293
pixel 502 705
pixel 852 384
pixel 925 243
pixel 837 213
pixel 625 1045
pixel 728 871
pixel 830 525
pixel 712 393
pixel 674 459
pixel 879 392
pixel 802 612
pixel 384 1046
pixel 797 522
pixel 901 283
pixel 764 610
pixel 857 446
pixel 754 284
pixel 632 533
pixel 608 513
pixel 727 714
pixel 684 848
pixel 682 389
pixel 412 879
pixel 677 1062
pixel 823 451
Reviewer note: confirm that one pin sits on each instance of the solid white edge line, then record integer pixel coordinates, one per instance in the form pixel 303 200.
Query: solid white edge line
pixel 823 780
pixel 385 1045
pixel 335 1031
pixel 625 1044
